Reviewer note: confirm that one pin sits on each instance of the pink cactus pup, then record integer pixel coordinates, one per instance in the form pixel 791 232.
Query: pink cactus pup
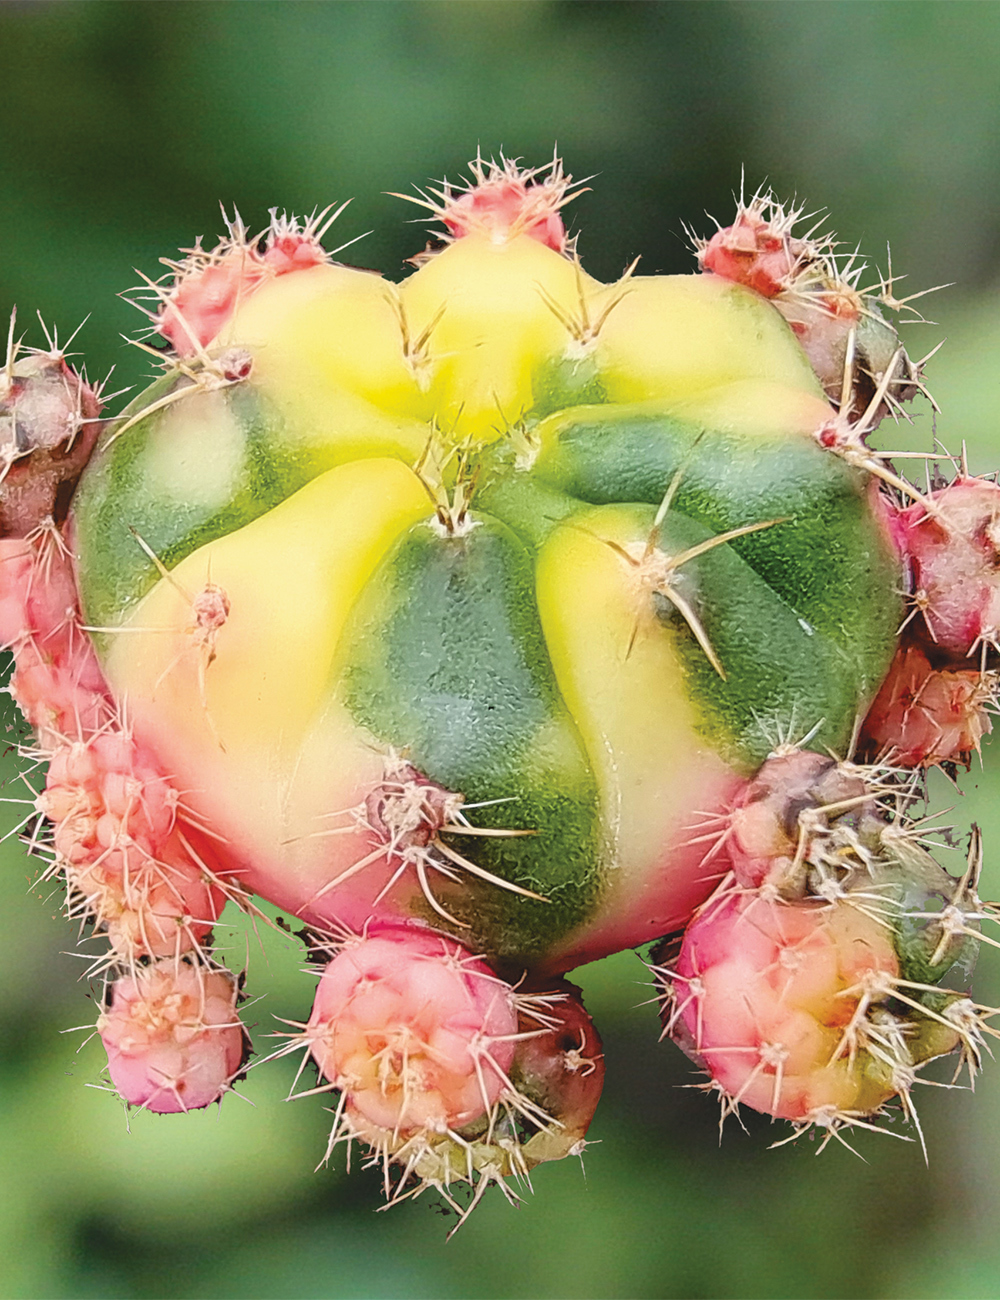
pixel 173 1036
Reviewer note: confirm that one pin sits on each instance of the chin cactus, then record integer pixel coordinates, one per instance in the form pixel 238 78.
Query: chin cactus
pixel 488 624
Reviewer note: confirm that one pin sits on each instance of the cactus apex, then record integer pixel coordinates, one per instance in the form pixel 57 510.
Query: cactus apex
pixel 760 249
pixel 209 285
pixel 501 201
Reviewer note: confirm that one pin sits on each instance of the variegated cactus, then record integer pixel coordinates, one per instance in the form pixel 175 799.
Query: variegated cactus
pixel 490 623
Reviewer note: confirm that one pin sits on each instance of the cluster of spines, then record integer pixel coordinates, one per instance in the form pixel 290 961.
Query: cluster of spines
pixel 501 201
pixel 403 819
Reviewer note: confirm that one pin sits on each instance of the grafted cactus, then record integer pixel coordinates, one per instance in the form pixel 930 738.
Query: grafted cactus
pixel 488 624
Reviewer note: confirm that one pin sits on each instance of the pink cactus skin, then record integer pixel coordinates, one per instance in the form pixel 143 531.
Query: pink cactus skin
pixel 116 831
pixel 211 285
pixel 291 248
pixel 201 305
pixel 765 991
pixel 49 423
pixel 116 834
pixel 503 201
pixel 765 828
pixel 444 1069
pixel 753 252
pixel 57 681
pixel 172 1035
pixel 418 1032
pixel 499 205
pixel 953 551
pixel 925 716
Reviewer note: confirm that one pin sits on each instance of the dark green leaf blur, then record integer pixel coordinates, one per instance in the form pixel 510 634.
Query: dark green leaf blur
pixel 123 127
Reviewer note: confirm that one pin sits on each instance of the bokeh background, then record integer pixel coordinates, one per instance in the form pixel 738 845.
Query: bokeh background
pixel 123 126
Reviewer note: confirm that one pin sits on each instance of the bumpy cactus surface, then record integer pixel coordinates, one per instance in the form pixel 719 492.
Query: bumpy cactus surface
pixel 488 624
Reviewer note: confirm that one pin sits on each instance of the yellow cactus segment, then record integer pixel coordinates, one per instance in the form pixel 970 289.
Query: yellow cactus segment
pixel 617 671
pixel 756 408
pixel 320 421
pixel 253 682
pixel 492 314
pixel 335 328
pixel 819 1002
pixel 671 336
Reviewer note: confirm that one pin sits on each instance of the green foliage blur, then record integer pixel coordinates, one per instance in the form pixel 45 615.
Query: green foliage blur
pixel 124 125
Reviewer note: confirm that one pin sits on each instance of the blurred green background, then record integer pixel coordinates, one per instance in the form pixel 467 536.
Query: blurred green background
pixel 124 125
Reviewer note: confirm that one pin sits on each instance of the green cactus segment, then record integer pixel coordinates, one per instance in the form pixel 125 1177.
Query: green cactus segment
pixel 781 674
pixel 827 560
pixel 919 890
pixel 444 658
pixel 206 465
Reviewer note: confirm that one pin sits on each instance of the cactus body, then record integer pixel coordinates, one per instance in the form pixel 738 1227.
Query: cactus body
pixel 509 654
pixel 484 623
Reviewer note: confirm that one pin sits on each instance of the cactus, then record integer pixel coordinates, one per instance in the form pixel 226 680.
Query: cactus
pixel 489 624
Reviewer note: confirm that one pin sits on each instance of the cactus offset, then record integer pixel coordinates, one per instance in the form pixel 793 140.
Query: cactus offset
pixel 489 624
